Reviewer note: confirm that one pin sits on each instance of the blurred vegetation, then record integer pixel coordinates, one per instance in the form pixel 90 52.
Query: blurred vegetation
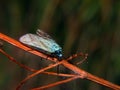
pixel 90 26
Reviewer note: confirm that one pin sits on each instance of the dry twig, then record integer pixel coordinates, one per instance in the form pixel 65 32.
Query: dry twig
pixel 79 73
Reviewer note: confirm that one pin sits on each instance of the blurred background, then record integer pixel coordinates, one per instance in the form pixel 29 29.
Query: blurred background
pixel 88 26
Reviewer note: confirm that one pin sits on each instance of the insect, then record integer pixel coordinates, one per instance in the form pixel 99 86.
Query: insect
pixel 42 42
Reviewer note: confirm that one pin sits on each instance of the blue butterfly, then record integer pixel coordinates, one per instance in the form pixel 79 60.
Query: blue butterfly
pixel 42 42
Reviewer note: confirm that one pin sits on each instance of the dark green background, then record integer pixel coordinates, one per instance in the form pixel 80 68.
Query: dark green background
pixel 89 26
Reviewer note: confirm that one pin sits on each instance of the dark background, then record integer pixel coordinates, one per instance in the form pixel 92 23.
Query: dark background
pixel 89 26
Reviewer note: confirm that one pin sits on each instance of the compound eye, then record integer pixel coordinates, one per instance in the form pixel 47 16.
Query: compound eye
pixel 58 53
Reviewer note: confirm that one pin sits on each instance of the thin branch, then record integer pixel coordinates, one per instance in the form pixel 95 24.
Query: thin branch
pixel 28 49
pixel 56 83
pixel 60 74
pixel 76 55
pixel 36 73
pixel 13 60
pixel 80 72
pixel 31 69
pixel 91 77
pixel 102 82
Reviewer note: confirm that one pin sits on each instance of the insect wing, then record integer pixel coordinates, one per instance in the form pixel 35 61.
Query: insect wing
pixel 40 42
pixel 53 45
pixel 43 34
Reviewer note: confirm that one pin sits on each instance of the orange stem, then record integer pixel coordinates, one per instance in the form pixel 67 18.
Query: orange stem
pixel 28 49
pixel 36 73
pixel 80 72
pixel 56 83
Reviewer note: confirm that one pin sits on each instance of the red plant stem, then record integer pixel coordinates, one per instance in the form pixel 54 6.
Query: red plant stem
pixel 102 82
pixel 56 83
pixel 91 77
pixel 20 45
pixel 13 60
pixel 60 74
pixel 75 69
pixel 33 70
pixel 36 73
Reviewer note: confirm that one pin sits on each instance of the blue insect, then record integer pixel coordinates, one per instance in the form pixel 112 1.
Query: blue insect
pixel 42 42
